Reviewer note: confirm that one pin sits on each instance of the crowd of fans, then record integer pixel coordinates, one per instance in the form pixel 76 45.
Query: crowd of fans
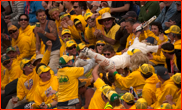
pixel 90 55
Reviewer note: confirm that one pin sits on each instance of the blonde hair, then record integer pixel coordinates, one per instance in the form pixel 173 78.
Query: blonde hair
pixel 138 59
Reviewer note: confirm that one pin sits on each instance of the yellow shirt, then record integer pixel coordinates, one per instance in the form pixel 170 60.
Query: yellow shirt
pixel 68 83
pixel 133 107
pixel 3 70
pixel 167 88
pixel 111 34
pixel 149 89
pixel 43 89
pixel 26 86
pixel 177 44
pixel 178 102
pixel 97 102
pixel 10 75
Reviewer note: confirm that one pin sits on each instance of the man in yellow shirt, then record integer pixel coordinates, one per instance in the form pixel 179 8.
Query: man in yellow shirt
pixel 68 83
pixel 165 87
pixel 71 49
pixel 128 101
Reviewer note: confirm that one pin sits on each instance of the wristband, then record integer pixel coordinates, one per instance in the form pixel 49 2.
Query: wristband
pixel 45 33
pixel 49 105
pixel 56 94
pixel 115 73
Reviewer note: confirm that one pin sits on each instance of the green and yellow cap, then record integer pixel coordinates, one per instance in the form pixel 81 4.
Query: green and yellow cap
pixel 23 62
pixel 80 46
pixel 64 59
pixel 10 49
pixel 173 29
pixel 133 51
pixel 177 78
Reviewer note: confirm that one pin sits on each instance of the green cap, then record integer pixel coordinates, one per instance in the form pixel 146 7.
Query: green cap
pixel 10 49
pixel 4 58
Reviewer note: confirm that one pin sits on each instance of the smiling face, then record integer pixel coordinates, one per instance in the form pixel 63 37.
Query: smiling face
pixel 155 30
pixel 7 64
pixel 12 54
pixel 28 68
pixel 45 76
pixel 71 50
pixel 128 27
pixel 100 47
pixel 41 17
pixel 77 9
pixel 23 21
pixel 107 23
pixel 55 15
pixel 14 34
pixel 66 37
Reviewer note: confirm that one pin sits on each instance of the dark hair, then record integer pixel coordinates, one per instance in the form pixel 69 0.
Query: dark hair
pixel 83 5
pixel 108 48
pixel 177 35
pixel 168 46
pixel 178 85
pixel 110 79
pixel 147 76
pixel 131 21
pixel 39 11
pixel 72 2
pixel 22 15
pixel 130 103
pixel 159 25
pixel 40 64
pixel 115 103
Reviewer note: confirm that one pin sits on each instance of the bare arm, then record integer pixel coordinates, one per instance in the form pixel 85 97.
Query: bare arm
pixel 53 31
pixel 38 45
pixel 121 9
pixel 95 73
pixel 88 95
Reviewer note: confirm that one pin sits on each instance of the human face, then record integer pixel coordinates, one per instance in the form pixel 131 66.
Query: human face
pixel 100 47
pixel 12 54
pixel 128 27
pixel 55 15
pixel 45 76
pixel 66 37
pixel 178 7
pixel 41 17
pixel 14 34
pixel 66 4
pixel 167 55
pixel 28 68
pixel 79 27
pixel 77 9
pixel 168 3
pixel 155 30
pixel 170 35
pixel 71 50
pixel 65 19
pixel 108 54
pixel 107 23
pixel 135 26
pixel 23 22
pixel 7 64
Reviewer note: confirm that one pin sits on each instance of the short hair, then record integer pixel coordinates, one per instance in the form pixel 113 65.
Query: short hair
pixel 108 48
pixel 159 25
pixel 168 46
pixel 115 103
pixel 131 21
pixel 39 11
pixel 83 5
pixel 22 15
pixel 147 76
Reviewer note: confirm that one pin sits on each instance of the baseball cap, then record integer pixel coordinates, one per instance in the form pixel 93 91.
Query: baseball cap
pixel 80 46
pixel 39 56
pixel 166 106
pixel 4 58
pixel 173 29
pixel 64 59
pixel 131 52
pixel 146 69
pixel 112 95
pixel 12 28
pixel 42 69
pixel 178 2
pixel 87 15
pixel 105 89
pixel 23 62
pixel 66 31
pixel 100 41
pixel 80 84
pixel 177 78
pixel 128 97
pixel 141 104
pixel 130 14
pixel 70 43
pixel 10 49
pixel 162 72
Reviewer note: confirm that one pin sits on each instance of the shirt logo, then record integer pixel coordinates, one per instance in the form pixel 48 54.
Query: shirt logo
pixel 28 84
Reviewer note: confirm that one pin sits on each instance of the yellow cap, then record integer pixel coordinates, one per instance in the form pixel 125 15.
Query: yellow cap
pixel 146 68
pixel 43 69
pixel 87 15
pixel 112 95
pixel 23 62
pixel 100 41
pixel 70 43
pixel 128 97
pixel 105 89
pixel 141 104
pixel 12 27
pixel 65 59
pixel 80 46
pixel 177 78
pixel 166 106
pixel 173 29
pixel 65 31
pixel 131 52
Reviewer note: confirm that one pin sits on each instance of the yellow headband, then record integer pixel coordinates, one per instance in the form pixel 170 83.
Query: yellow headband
pixel 52 10
pixel 168 51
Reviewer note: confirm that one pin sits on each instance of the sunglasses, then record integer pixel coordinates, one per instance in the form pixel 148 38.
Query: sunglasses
pixel 75 6
pixel 106 20
pixel 27 64
pixel 6 62
pixel 108 54
pixel 23 19
pixel 13 31
pixel 100 44
pixel 70 48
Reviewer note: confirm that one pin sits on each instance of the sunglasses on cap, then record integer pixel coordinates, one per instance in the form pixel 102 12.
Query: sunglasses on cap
pixel 6 62
pixel 70 48
pixel 100 44
pixel 23 19
pixel 27 64
pixel 75 7
pixel 12 31
pixel 108 54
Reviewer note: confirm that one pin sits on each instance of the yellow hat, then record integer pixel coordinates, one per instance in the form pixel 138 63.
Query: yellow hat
pixel 43 69
pixel 70 43
pixel 53 9
pixel 105 89
pixel 112 95
pixel 64 59
pixel 67 14
pixel 128 97
pixel 146 68
pixel 23 62
pixel 12 27
pixel 87 15
pixel 80 46
pixel 131 52
pixel 173 29
pixel 141 104
pixel 177 78
pixel 65 31
pixel 166 106
pixel 100 41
